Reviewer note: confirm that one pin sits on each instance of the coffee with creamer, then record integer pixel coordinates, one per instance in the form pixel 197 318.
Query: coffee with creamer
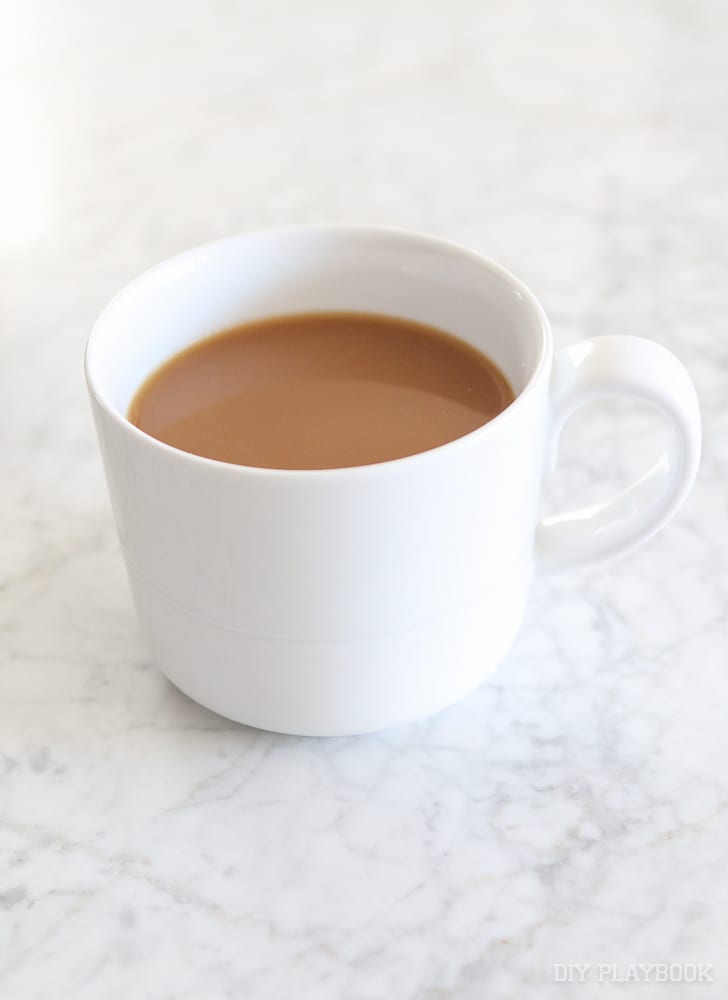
pixel 320 391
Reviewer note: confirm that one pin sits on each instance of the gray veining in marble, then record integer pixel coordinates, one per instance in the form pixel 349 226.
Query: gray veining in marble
pixel 575 808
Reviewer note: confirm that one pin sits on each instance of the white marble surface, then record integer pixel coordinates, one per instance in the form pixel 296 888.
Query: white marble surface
pixel 572 810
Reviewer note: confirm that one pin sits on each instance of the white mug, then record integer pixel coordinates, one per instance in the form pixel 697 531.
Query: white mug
pixel 346 600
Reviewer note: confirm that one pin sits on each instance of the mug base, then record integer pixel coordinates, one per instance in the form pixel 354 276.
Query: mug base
pixel 330 687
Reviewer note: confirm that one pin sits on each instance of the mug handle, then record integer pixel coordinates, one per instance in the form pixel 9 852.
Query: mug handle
pixel 609 366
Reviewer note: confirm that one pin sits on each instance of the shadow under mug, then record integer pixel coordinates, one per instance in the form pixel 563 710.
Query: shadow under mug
pixel 347 600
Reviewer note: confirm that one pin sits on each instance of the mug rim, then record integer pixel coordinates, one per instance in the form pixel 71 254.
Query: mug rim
pixel 214 246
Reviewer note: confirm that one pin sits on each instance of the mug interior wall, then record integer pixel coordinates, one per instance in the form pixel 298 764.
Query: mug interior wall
pixel 306 270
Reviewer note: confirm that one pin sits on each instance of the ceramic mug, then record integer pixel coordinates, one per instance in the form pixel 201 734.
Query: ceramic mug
pixel 346 600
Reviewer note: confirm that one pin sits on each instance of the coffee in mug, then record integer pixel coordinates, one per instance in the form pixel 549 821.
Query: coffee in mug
pixel 310 593
pixel 320 391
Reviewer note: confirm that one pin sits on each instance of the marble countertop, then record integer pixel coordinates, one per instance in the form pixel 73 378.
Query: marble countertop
pixel 574 809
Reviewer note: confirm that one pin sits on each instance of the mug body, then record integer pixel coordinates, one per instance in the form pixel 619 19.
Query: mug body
pixel 335 601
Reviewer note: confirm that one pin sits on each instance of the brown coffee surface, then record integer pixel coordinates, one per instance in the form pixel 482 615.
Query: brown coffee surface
pixel 320 391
